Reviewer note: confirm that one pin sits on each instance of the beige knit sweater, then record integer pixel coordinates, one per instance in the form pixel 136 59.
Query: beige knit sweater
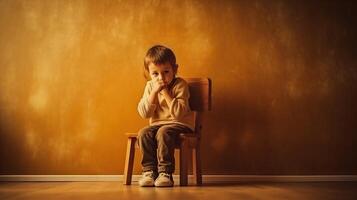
pixel 162 113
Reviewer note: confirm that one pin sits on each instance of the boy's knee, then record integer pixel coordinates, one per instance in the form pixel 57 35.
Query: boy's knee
pixel 164 132
pixel 144 133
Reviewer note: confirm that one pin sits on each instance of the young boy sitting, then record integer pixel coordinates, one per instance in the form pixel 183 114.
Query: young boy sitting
pixel 165 103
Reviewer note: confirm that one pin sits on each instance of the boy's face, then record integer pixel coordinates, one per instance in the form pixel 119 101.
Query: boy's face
pixel 162 72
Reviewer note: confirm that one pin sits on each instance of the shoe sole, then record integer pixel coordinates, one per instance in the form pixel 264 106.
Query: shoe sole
pixel 164 185
pixel 147 185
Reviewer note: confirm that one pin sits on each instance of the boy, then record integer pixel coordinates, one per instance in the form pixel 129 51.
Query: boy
pixel 165 103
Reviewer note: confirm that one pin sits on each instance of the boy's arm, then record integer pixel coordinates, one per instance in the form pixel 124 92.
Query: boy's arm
pixel 147 104
pixel 178 102
pixel 153 95
pixel 167 96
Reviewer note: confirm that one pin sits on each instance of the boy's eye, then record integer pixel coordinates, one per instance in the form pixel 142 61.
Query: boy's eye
pixel 155 74
pixel 166 72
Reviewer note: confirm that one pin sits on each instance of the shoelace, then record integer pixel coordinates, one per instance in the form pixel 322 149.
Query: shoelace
pixel 165 175
pixel 149 174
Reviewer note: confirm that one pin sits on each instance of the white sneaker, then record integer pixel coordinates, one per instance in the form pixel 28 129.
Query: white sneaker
pixel 148 179
pixel 164 180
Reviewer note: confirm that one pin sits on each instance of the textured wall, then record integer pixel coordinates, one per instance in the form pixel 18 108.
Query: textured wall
pixel 284 82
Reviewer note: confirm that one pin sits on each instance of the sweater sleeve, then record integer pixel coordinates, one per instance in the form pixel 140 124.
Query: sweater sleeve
pixel 145 108
pixel 180 104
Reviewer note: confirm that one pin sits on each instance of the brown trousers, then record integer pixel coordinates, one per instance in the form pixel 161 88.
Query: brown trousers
pixel 157 145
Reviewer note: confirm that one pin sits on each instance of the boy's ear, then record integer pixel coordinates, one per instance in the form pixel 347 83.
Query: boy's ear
pixel 146 75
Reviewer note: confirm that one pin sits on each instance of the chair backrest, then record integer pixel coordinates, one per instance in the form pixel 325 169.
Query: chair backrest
pixel 200 93
pixel 200 98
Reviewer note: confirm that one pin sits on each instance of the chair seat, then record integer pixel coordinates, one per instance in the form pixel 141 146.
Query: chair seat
pixel 130 135
pixel 182 134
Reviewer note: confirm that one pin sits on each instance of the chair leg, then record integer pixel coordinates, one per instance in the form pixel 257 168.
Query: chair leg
pixel 129 160
pixel 183 163
pixel 196 162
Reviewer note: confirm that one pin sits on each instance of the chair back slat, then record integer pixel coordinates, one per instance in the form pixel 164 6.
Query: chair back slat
pixel 200 94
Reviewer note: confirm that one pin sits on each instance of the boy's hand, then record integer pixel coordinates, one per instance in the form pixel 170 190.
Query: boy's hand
pixel 158 86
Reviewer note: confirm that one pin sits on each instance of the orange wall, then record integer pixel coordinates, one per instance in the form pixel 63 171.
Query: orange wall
pixel 284 83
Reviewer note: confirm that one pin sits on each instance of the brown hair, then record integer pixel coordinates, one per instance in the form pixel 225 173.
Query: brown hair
pixel 159 54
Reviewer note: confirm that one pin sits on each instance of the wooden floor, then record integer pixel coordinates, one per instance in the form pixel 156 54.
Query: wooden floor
pixel 115 190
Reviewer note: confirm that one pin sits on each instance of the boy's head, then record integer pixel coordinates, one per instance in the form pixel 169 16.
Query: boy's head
pixel 159 56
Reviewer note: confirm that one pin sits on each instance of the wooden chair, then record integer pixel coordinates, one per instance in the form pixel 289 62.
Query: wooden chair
pixel 200 101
